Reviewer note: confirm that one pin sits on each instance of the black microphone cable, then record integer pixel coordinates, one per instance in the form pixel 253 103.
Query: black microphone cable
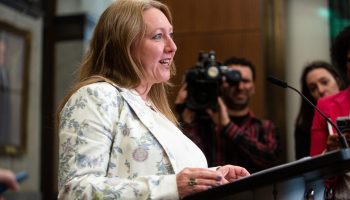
pixel 342 139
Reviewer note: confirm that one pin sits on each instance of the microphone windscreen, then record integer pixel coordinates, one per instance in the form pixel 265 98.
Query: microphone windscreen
pixel 277 82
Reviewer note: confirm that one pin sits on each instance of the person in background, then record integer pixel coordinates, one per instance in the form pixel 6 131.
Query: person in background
pixel 118 138
pixel 337 105
pixel 318 79
pixel 8 179
pixel 232 134
pixel 323 136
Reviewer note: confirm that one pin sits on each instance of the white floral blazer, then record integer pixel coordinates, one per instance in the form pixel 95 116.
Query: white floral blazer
pixel 112 146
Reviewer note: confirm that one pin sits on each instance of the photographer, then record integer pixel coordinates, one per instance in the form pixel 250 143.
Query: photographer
pixel 231 134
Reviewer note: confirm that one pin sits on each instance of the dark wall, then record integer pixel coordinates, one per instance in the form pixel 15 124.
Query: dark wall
pixel 31 7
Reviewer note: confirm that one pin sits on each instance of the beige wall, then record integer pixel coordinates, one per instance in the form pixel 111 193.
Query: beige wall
pixel 307 39
pixel 30 161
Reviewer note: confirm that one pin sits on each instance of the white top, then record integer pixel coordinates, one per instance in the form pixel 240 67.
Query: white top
pixel 185 152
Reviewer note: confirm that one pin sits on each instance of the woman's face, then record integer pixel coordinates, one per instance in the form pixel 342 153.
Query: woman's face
pixel 321 83
pixel 156 49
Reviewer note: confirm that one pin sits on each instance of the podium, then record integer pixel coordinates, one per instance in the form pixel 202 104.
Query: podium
pixel 287 181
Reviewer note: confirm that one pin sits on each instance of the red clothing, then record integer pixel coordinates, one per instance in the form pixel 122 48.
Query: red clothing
pixel 248 142
pixel 334 106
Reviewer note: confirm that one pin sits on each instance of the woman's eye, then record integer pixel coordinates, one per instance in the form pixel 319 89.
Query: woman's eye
pixel 312 88
pixel 324 82
pixel 172 35
pixel 157 36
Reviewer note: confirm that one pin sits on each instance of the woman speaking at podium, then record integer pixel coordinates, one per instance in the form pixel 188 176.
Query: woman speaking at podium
pixel 118 138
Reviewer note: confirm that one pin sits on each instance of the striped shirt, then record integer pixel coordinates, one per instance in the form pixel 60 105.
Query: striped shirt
pixel 246 141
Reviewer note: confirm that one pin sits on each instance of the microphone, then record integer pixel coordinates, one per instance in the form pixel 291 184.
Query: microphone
pixel 342 139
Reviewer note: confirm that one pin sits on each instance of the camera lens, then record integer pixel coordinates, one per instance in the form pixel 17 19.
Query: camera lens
pixel 213 72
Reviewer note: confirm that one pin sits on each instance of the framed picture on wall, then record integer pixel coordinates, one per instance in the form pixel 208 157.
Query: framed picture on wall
pixel 14 69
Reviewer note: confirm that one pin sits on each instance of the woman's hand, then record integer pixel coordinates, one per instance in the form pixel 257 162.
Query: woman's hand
pixel 333 142
pixel 232 173
pixel 193 180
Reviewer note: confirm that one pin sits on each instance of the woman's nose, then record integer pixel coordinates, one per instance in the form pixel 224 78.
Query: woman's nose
pixel 321 91
pixel 171 46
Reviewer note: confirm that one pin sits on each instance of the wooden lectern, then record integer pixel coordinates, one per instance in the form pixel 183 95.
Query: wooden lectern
pixel 289 181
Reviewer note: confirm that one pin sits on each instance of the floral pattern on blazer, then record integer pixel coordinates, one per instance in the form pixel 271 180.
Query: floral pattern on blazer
pixel 99 126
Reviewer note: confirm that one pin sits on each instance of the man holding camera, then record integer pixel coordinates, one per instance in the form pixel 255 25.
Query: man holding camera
pixel 231 134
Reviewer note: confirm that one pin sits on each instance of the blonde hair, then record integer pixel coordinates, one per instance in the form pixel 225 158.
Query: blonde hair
pixel 117 33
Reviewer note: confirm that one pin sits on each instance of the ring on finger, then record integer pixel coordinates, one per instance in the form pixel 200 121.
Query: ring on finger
pixel 192 182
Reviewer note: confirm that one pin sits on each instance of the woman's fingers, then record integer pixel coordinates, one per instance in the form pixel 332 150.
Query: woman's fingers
pixel 192 180
pixel 232 173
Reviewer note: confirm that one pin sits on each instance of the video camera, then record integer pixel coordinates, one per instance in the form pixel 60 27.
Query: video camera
pixel 204 81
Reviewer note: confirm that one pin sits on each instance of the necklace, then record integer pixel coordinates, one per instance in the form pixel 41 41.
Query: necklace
pixel 149 103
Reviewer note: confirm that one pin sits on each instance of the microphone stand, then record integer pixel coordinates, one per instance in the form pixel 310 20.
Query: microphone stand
pixel 342 139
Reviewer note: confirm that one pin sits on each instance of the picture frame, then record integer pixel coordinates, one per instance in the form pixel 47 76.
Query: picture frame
pixel 14 86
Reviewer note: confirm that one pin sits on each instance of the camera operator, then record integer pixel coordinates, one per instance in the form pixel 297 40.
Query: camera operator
pixel 231 133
